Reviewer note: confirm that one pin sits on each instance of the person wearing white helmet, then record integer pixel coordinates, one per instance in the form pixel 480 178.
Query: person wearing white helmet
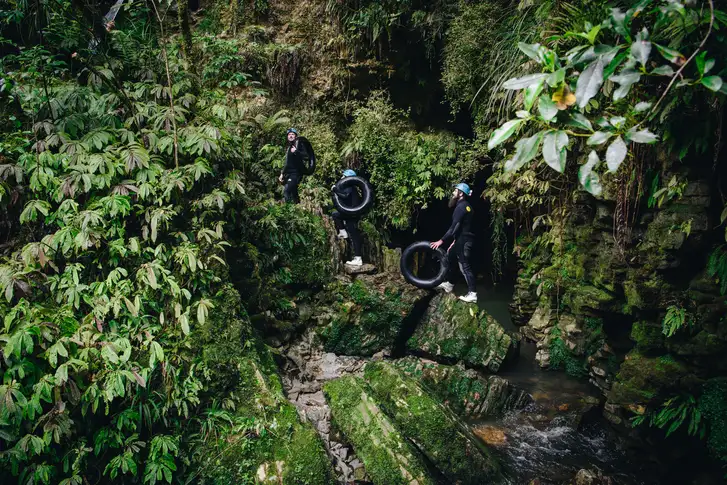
pixel 460 233
pixel 348 226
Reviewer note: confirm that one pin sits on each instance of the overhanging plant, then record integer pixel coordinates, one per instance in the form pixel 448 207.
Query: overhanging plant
pixel 598 90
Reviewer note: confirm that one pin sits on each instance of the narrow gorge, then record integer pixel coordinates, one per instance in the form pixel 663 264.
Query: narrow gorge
pixel 168 318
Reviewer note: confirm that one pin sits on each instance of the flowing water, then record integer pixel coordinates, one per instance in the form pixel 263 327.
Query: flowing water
pixel 559 434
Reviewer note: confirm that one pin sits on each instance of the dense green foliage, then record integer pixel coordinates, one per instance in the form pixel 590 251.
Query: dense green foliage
pixel 131 178
pixel 576 78
pixel 407 168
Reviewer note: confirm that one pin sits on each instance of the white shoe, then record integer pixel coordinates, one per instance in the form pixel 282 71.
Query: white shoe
pixel 446 287
pixel 342 234
pixel 356 261
pixel 470 297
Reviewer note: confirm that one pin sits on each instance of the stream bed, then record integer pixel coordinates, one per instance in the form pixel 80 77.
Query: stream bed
pixel 559 435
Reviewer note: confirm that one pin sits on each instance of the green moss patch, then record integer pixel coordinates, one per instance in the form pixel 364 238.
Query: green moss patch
pixel 369 315
pixel 444 439
pixel 465 392
pixel 388 457
pixel 458 331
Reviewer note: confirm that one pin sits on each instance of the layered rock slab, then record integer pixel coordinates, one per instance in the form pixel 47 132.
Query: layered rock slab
pixel 368 315
pixel 457 331
pixel 434 429
pixel 465 391
pixel 388 457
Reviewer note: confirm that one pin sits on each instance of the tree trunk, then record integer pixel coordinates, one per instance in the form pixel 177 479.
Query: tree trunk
pixel 183 18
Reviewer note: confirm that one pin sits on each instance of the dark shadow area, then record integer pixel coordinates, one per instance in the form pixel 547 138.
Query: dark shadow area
pixel 409 326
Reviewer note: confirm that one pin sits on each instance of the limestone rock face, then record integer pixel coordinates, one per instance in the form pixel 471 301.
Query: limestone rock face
pixel 367 316
pixel 454 330
pixel 388 457
pixel 465 392
pixel 436 432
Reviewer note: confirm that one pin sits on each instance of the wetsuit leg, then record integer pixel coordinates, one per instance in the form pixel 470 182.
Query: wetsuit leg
pixel 355 234
pixel 337 220
pixel 452 257
pixel 290 192
pixel 464 256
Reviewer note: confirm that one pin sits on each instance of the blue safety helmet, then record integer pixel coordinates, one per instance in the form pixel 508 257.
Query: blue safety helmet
pixel 349 173
pixel 464 188
pixel 292 130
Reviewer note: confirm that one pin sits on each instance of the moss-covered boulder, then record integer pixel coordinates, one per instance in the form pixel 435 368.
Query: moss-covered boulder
pixel 435 430
pixel 369 314
pixel 641 379
pixel 258 436
pixel 464 391
pixel 458 331
pixel 388 457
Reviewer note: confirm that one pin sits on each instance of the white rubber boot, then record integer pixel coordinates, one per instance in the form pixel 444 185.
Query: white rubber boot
pixel 470 297
pixel 446 287
pixel 356 261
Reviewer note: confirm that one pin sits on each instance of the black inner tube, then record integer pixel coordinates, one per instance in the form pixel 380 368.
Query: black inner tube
pixel 438 254
pixel 367 196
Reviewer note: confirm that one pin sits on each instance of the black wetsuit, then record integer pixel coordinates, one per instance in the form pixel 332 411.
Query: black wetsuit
pixel 461 232
pixel 294 169
pixel 349 197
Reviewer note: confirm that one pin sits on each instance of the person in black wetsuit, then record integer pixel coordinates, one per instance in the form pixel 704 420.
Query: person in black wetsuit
pixel 296 160
pixel 348 226
pixel 460 232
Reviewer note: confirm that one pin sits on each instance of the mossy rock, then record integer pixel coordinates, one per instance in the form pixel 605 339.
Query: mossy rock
pixel 369 314
pixel 274 447
pixel 465 392
pixel 269 439
pixel 459 332
pixel 435 430
pixel 386 454
pixel 647 335
pixel 641 379
pixel 583 299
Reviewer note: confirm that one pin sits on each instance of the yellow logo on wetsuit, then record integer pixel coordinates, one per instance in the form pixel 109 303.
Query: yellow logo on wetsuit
pixel 469 209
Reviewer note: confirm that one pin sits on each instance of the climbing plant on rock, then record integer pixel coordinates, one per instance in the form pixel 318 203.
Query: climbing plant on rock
pixel 607 89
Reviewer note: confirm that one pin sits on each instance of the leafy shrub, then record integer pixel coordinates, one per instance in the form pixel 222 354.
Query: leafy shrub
pixel 406 168
pixel 562 358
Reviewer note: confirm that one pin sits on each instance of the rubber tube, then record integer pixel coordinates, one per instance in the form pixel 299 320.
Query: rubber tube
pixel 438 254
pixel 367 196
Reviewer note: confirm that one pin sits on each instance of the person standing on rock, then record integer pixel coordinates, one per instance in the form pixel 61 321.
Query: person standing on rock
pixel 348 226
pixel 299 161
pixel 460 233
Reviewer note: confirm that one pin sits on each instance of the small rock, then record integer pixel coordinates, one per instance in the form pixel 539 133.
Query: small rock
pixel 598 371
pixel 586 477
pixel 363 269
pixel 491 435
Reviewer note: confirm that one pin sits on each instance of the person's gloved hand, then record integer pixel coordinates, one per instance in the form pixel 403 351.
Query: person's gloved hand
pixel 436 244
pixel 280 179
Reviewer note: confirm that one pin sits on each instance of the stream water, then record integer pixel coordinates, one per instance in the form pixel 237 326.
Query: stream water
pixel 561 432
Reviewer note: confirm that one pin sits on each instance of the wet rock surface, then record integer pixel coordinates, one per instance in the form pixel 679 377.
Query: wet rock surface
pixel 465 391
pixel 305 370
pixel 460 332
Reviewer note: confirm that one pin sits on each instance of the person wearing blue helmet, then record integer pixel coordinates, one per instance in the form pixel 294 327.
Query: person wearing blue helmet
pixel 299 161
pixel 462 237
pixel 348 226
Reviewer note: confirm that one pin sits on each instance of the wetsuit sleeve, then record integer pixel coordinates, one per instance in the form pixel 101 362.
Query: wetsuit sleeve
pixel 456 226
pixel 344 195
